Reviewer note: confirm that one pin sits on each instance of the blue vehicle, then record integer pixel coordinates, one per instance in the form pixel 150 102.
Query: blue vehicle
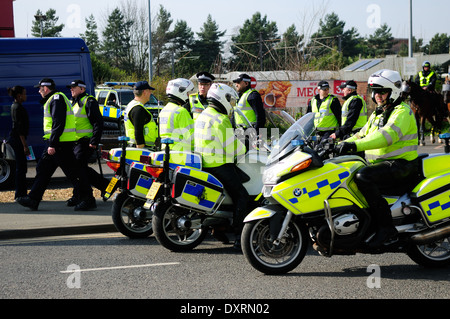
pixel 25 62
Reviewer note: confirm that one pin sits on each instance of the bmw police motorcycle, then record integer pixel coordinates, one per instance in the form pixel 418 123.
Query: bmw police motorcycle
pixel 314 199
pixel 194 201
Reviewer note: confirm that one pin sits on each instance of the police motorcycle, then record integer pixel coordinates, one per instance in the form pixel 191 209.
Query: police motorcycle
pixel 135 171
pixel 195 201
pixel 314 198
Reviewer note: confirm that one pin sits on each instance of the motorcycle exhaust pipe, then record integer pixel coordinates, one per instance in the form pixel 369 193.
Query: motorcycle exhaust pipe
pixel 430 236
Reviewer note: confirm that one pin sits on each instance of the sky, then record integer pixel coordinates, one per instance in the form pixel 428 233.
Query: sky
pixel 429 17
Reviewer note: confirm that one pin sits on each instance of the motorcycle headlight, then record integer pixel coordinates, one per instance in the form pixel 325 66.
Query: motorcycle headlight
pixel 270 176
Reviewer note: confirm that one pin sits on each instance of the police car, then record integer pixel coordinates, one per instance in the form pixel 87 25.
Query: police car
pixel 113 98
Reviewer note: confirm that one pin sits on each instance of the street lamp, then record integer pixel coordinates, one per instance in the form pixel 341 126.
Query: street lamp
pixel 40 18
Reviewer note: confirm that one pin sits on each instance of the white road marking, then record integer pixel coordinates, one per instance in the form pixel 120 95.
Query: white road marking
pixel 118 267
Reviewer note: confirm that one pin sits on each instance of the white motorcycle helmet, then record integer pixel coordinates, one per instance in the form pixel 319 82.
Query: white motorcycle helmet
pixel 386 80
pixel 179 89
pixel 222 95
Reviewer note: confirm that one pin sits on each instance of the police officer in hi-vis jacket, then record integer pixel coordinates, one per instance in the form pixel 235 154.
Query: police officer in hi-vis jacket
pixel 60 136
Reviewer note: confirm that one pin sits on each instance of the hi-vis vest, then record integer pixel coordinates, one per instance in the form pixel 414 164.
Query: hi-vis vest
pixel 362 120
pixel 395 139
pixel 150 129
pixel 324 119
pixel 69 134
pixel 425 81
pixel 196 106
pixel 82 124
pixel 246 108
pixel 176 123
pixel 214 139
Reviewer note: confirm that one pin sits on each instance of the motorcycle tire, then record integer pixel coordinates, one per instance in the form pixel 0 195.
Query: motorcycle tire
pixel 434 255
pixel 169 234
pixel 271 259
pixel 123 209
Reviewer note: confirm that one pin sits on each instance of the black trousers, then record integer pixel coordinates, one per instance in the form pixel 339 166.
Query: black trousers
pixel 82 153
pixel 228 175
pixel 394 177
pixel 21 166
pixel 47 165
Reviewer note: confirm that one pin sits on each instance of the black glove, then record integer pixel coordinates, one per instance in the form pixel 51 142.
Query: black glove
pixel 346 148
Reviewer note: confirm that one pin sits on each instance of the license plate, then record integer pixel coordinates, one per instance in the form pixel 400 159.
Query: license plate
pixel 111 185
pixel 153 190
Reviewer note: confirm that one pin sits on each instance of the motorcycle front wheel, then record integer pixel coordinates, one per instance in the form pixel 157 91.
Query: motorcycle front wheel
pixel 124 217
pixel 175 230
pixel 270 258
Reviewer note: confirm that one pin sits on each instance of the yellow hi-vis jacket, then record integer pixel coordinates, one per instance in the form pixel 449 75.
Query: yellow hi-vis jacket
pixel 82 124
pixel 246 109
pixel 196 106
pixel 395 139
pixel 215 140
pixel 362 120
pixel 176 123
pixel 324 119
pixel 425 81
pixel 150 129
pixel 69 134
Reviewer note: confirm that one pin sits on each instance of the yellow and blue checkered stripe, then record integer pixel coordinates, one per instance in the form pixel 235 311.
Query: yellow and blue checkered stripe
pixel 190 160
pixel 111 112
pixel 200 194
pixel 322 186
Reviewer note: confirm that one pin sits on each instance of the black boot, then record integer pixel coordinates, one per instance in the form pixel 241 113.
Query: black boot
pixel 27 201
pixel 384 234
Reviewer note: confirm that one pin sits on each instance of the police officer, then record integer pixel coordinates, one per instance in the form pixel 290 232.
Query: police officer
pixel 426 78
pixel 250 103
pixel 327 111
pixel 139 124
pixel 390 141
pixel 60 135
pixel 216 142
pixel 354 112
pixel 197 101
pixel 89 127
pixel 175 122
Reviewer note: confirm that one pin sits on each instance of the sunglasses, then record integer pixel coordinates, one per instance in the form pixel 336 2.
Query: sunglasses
pixel 382 92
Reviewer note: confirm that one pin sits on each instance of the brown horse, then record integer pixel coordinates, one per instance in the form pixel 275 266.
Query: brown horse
pixel 427 106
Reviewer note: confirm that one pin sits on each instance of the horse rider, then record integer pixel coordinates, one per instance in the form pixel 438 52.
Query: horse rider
pixel 426 78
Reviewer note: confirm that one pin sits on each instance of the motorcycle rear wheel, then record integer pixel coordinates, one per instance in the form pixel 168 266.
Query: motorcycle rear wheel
pixel 169 234
pixel 434 255
pixel 122 215
pixel 271 259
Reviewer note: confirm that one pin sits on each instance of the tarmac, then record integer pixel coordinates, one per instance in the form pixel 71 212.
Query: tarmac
pixel 54 218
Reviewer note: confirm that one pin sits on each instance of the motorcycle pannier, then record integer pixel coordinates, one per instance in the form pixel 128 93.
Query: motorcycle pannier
pixel 197 189
pixel 140 180
pixel 433 195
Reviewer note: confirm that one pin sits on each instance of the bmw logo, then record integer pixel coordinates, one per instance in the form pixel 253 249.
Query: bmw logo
pixel 297 192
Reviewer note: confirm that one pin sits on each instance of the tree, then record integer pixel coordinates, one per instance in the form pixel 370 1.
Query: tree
pixel 381 42
pixel 161 38
pixel 332 36
pixel 439 44
pixel 290 47
pixel 208 47
pixel 181 49
pixel 116 43
pixel 91 35
pixel 49 26
pixel 252 47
